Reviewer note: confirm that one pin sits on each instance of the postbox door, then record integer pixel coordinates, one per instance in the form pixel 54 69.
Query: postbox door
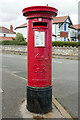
pixel 39 57
pixel 41 65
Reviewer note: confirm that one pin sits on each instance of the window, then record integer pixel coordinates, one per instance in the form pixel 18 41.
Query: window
pixel 64 38
pixel 61 39
pixel 64 27
pixel 61 27
pixel 4 35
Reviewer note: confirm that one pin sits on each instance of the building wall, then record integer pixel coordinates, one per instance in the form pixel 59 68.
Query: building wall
pixel 64 33
pixel 56 29
pixel 7 35
pixel 73 34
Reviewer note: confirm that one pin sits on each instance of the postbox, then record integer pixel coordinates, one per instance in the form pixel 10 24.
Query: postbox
pixel 39 62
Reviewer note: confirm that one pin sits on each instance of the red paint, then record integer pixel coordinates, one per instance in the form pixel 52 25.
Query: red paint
pixel 63 34
pixel 39 58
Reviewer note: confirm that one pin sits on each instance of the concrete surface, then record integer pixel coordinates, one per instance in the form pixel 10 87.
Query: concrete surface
pixel 27 114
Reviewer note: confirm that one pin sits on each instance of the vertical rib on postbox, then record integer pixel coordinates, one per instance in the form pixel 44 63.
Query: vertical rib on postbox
pixel 39 87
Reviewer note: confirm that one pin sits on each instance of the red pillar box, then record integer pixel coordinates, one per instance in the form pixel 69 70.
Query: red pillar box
pixel 39 87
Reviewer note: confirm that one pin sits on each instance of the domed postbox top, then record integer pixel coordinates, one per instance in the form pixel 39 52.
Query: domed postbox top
pixel 39 11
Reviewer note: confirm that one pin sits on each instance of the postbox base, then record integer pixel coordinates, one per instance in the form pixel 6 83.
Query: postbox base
pixel 39 100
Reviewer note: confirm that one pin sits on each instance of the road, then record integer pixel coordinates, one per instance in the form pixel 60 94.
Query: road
pixel 65 84
pixel 14 75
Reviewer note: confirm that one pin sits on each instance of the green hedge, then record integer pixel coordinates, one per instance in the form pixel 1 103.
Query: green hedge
pixel 60 43
pixel 54 43
pixel 13 42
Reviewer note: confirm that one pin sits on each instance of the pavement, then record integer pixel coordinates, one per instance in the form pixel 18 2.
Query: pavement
pixel 14 80
pixel 55 113
pixel 53 56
